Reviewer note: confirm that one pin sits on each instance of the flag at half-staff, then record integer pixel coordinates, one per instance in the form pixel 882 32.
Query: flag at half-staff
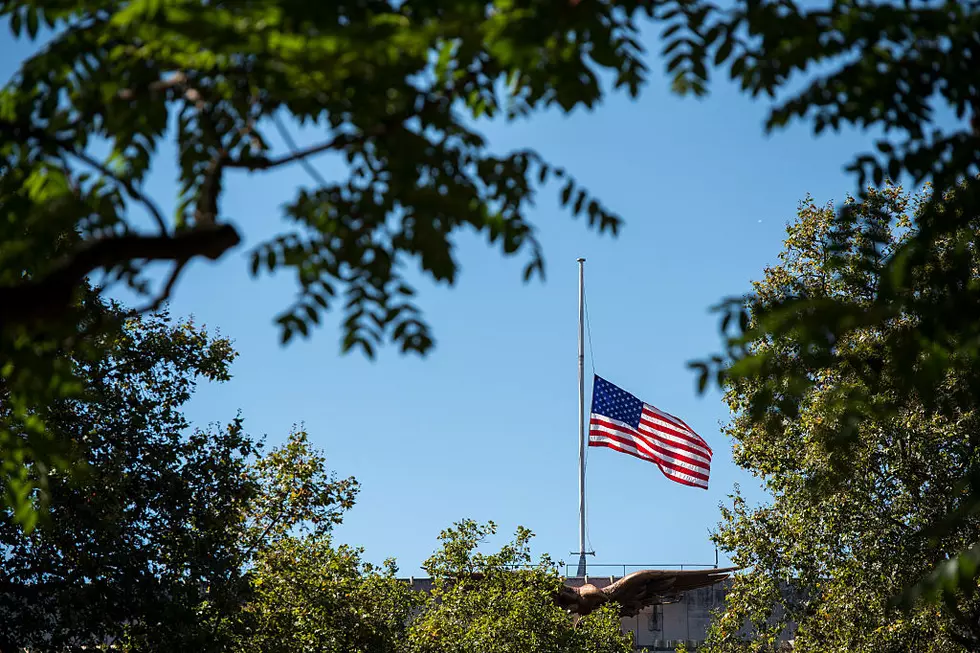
pixel 622 422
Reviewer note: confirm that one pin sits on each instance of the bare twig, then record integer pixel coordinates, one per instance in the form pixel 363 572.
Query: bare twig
pixel 291 144
pixel 266 163
pixel 177 79
pixel 167 289
pixel 127 185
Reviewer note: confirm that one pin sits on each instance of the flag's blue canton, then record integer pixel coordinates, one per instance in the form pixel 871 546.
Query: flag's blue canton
pixel 615 403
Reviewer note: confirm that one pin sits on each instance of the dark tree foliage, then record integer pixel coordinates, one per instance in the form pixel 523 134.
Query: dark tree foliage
pixel 150 530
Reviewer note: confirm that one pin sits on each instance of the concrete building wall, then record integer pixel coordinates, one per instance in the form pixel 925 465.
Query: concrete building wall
pixel 663 627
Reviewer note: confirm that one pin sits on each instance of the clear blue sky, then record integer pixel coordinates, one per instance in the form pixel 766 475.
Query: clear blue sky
pixel 485 426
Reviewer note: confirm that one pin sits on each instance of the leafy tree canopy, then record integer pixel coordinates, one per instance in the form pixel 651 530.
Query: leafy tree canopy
pixel 310 595
pixel 903 72
pixel 148 541
pixel 850 527
pixel 167 537
pixel 504 601
pixel 314 596
pixel 393 87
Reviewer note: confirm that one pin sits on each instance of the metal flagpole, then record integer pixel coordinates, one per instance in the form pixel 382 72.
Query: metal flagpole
pixel 581 418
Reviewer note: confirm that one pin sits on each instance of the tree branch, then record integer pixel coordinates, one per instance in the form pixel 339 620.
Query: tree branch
pixel 167 289
pixel 50 295
pixel 283 510
pixel 130 189
pixel 177 79
pixel 291 144
pixel 253 163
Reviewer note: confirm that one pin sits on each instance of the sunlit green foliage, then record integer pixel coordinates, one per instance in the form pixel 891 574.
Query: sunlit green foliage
pixel 312 595
pixel 504 602
pixel 160 536
pixel 309 595
pixel 860 508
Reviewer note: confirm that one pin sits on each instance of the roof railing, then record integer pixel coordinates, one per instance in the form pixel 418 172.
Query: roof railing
pixel 623 570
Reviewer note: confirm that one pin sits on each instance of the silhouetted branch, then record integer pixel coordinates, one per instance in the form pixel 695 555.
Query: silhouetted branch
pixel 127 185
pixel 291 144
pixel 266 163
pixel 51 294
pixel 167 289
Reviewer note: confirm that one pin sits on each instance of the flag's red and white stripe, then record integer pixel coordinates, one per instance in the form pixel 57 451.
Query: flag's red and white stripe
pixel 663 439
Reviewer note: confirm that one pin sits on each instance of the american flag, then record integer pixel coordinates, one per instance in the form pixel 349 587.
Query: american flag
pixel 622 422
